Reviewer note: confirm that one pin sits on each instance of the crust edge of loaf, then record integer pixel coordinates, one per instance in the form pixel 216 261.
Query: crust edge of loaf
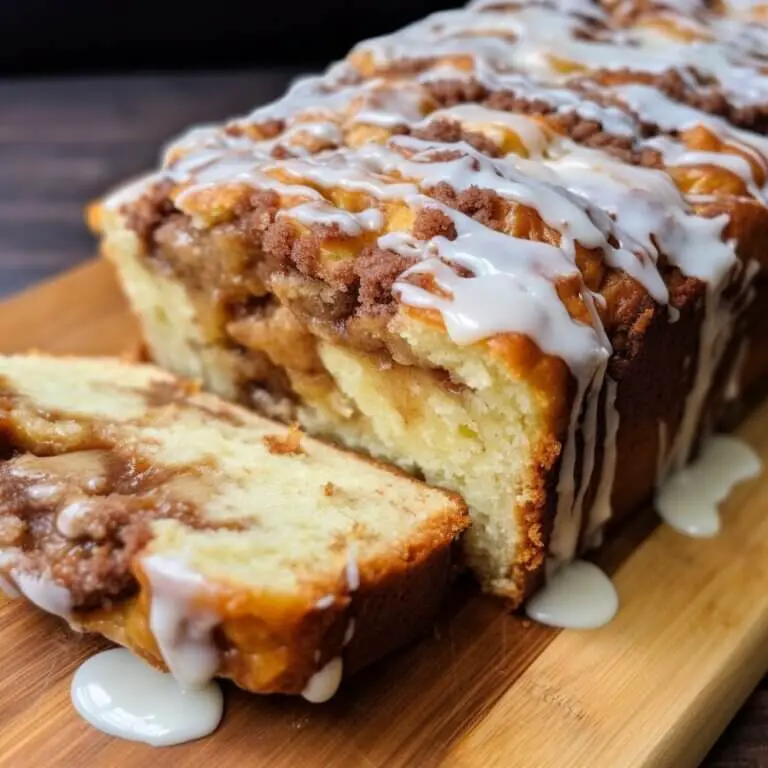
pixel 389 611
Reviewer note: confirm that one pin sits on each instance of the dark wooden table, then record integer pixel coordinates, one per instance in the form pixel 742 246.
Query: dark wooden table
pixel 64 142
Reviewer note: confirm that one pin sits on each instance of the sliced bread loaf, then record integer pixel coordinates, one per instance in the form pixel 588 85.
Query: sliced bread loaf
pixel 207 539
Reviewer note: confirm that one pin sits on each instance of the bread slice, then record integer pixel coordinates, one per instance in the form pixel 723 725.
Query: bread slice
pixel 205 538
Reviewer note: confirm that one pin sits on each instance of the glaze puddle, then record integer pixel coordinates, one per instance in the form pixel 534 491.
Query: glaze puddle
pixel 121 695
pixel 688 501
pixel 578 596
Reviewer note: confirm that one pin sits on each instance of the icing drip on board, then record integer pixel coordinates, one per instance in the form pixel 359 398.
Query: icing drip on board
pixel 578 596
pixel 122 696
pixel 689 499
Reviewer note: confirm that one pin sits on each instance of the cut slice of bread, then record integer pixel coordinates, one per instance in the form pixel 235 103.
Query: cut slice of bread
pixel 207 539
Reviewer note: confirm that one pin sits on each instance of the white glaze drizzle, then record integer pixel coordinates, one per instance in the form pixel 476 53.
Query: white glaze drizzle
pixel 648 207
pixel 675 154
pixel 532 37
pixel 716 331
pixel 531 134
pixel 349 633
pixel 564 540
pixel 326 601
pixel 689 499
pixel 315 108
pixel 183 631
pixel 72 517
pixel 512 289
pixel 585 8
pixel 119 694
pixel 564 101
pixel 323 684
pixel 351 224
pixel 43 592
pixel 378 102
pixel 519 181
pixel 653 106
pixel 351 570
pixel 600 511
pixel 44 492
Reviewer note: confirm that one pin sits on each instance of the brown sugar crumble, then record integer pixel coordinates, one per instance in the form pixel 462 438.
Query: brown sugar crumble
pixel 119 496
pixel 431 222
pixel 289 443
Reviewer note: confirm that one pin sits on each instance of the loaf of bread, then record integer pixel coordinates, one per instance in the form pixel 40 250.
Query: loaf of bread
pixel 205 538
pixel 518 249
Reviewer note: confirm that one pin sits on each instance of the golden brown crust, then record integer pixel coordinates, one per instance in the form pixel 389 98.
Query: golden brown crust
pixel 268 647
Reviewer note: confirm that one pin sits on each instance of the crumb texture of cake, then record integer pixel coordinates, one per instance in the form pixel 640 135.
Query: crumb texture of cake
pixel 518 249
pixel 202 536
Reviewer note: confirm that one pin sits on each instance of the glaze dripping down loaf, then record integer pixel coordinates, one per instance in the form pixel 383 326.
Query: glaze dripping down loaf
pixel 207 539
pixel 518 249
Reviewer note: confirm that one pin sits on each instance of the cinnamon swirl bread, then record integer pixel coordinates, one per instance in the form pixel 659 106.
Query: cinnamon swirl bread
pixel 518 249
pixel 207 539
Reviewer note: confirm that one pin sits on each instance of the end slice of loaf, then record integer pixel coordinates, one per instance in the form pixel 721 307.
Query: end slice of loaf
pixel 209 540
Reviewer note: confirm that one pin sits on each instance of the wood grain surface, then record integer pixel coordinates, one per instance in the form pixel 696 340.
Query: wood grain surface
pixel 62 142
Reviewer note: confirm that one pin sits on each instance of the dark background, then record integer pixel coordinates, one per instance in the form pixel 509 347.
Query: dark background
pixel 98 36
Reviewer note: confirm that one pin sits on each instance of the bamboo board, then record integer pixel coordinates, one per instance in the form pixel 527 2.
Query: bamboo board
pixel 655 688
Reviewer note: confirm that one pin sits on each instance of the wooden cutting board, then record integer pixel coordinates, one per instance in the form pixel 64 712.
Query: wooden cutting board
pixel 654 688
